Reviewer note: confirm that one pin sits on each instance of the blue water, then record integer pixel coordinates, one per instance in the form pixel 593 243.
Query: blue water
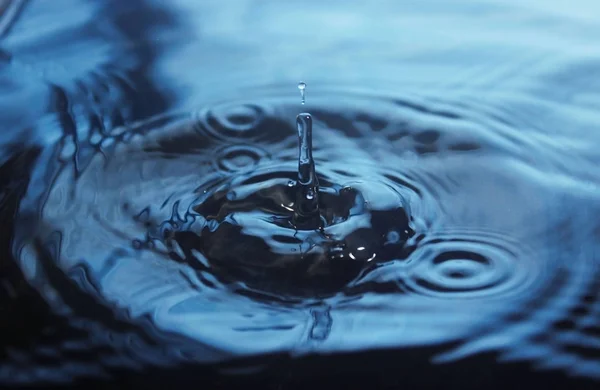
pixel 147 146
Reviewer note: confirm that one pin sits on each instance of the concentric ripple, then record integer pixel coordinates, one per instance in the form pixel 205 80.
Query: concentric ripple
pixel 237 158
pixel 436 231
pixel 463 264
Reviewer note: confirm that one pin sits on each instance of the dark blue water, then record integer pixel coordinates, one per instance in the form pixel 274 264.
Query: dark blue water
pixel 149 183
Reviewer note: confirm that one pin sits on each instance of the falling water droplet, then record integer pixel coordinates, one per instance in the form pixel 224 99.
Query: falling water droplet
pixel 302 88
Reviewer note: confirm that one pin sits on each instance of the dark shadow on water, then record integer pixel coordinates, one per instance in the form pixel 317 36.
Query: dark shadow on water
pixel 405 369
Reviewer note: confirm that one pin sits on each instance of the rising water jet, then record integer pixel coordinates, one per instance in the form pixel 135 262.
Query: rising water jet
pixel 306 209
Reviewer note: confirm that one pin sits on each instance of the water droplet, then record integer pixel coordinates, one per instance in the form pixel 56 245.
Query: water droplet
pixel 310 194
pixel 302 88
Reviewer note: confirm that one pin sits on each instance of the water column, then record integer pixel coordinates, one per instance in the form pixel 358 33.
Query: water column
pixel 306 208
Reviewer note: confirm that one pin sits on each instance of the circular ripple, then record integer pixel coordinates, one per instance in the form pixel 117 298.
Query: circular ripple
pixel 234 120
pixel 238 158
pixel 248 122
pixel 455 266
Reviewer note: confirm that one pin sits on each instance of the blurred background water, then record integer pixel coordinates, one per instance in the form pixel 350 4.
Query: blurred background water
pixel 138 135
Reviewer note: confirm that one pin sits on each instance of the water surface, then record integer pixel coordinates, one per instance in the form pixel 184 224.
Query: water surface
pixel 146 147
